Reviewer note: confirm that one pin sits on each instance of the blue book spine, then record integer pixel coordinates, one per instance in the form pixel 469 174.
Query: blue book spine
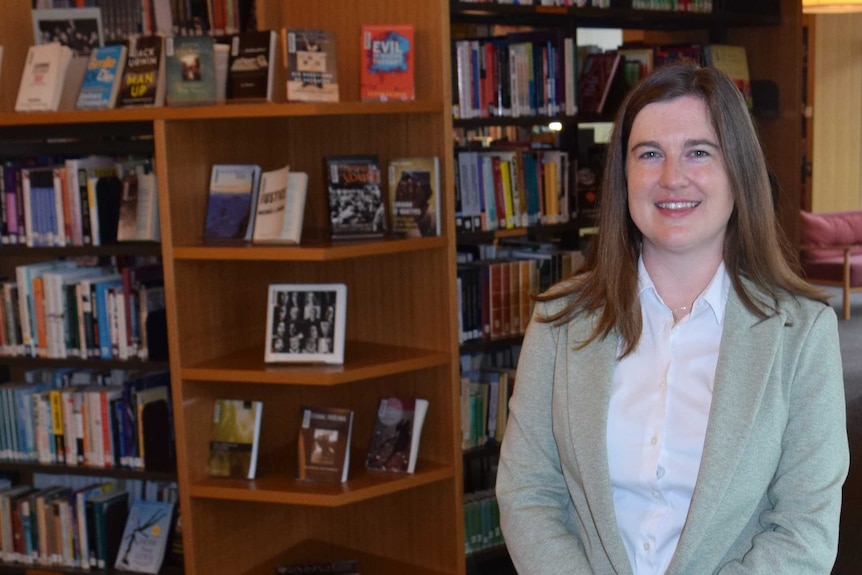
pixel 104 316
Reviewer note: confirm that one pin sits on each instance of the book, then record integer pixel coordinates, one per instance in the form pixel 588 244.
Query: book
pixel 596 80
pixel 356 205
pixel 235 438
pixel 190 70
pixel 251 65
pixel 108 512
pixel 43 78
pixel 143 82
pixel 145 536
pixel 312 71
pixel 324 444
pixel 733 61
pixel 414 196
pixel 101 82
pixel 232 198
pixel 79 28
pixel 334 567
pixel 387 69
pixel 279 220
pixel 397 431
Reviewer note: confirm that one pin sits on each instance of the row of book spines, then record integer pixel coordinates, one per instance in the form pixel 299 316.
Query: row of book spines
pixel 507 189
pixel 495 295
pixel 485 397
pixel 565 3
pixel 58 205
pixel 514 76
pixel 81 312
pixel 94 425
pixel 481 522
pixel 674 5
pixel 57 525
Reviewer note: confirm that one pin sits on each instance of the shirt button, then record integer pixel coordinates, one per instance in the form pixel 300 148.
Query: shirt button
pixel 654 440
pixel 659 472
pixel 663 384
pixel 646 546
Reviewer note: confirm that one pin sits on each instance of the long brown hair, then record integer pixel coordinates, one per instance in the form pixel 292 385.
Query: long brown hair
pixel 754 247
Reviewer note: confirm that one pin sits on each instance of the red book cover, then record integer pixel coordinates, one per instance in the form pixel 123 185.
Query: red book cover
pixel 387 62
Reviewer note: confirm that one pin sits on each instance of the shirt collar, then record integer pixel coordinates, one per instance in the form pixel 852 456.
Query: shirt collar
pixel 715 294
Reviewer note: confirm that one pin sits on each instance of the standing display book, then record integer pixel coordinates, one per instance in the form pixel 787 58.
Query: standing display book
pixel 414 197
pixel 235 438
pixel 145 537
pixel 190 70
pixel 43 78
pixel 387 70
pixel 143 81
pixel 733 61
pixel 232 200
pixel 312 71
pixel 324 444
pixel 596 81
pixel 356 205
pixel 397 431
pixel 280 207
pixel 251 65
pixel 102 79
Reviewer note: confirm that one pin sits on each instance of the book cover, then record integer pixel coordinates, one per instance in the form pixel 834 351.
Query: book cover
pixel 397 431
pixel 145 536
pixel 43 77
pixel 251 65
pixel 101 82
pixel 356 204
pixel 324 444
pixel 312 71
pixel 143 82
pixel 733 61
pixel 190 70
pixel 387 70
pixel 596 80
pixel 79 28
pixel 235 437
pixel 109 512
pixel 414 196
pixel 232 197
pixel 293 212
pixel 271 201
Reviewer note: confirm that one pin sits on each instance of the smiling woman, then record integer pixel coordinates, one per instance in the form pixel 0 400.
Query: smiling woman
pixel 693 381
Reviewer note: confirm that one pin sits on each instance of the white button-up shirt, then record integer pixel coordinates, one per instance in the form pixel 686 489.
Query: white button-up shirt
pixel 659 408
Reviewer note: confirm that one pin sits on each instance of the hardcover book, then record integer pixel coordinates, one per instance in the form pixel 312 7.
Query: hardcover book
pixel 312 71
pixel 235 438
pixel 356 205
pixel 414 196
pixel 43 78
pixel 397 431
pixel 306 323
pixel 145 537
pixel 101 82
pixel 324 444
pixel 143 82
pixel 279 218
pixel 387 70
pixel 596 81
pixel 251 65
pixel 190 70
pixel 232 197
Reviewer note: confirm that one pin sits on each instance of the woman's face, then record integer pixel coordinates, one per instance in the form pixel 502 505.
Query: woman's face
pixel 679 192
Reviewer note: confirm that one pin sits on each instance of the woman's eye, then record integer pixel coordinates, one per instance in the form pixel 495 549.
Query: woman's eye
pixel 700 153
pixel 650 154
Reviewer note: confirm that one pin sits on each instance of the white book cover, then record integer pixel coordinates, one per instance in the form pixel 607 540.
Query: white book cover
pixel 293 213
pixel 271 202
pixel 43 77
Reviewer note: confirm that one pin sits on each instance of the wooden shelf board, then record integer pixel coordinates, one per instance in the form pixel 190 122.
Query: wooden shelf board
pixel 308 252
pixel 281 488
pixel 219 111
pixel 362 360
pixel 313 550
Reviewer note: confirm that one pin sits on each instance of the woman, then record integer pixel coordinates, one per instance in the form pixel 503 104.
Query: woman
pixel 692 380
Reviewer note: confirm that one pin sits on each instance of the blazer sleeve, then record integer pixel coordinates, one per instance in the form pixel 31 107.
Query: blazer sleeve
pixel 800 533
pixel 535 506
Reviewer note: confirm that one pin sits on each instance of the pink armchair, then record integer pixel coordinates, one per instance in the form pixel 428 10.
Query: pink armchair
pixel 831 251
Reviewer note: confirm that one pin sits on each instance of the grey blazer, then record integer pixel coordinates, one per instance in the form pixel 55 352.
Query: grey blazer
pixel 768 492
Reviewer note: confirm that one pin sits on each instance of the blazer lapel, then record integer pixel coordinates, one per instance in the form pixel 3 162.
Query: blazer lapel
pixel 590 373
pixel 747 351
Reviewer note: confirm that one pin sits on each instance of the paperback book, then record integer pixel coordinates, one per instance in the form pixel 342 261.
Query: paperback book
pixel 306 323
pixel 190 70
pixel 101 82
pixel 397 431
pixel 324 444
pixel 251 65
pixel 356 205
pixel 312 71
pixel 235 438
pixel 232 197
pixel 43 78
pixel 387 70
pixel 414 196
pixel 280 206
pixel 145 537
pixel 143 82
